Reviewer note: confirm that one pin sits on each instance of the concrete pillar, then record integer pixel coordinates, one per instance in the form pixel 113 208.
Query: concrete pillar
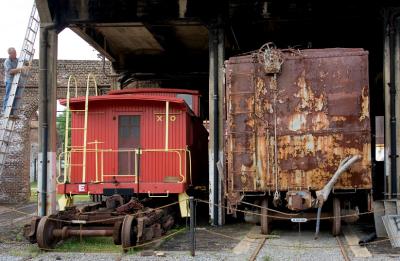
pixel 47 120
pixel 216 117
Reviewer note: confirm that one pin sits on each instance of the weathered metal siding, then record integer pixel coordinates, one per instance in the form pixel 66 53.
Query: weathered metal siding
pixel 103 127
pixel 322 116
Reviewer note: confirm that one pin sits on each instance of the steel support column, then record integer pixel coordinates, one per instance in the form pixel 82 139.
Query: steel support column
pixel 47 119
pixel 216 94
pixel 392 110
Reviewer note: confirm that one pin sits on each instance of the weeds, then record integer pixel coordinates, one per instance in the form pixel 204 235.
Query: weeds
pixel 89 244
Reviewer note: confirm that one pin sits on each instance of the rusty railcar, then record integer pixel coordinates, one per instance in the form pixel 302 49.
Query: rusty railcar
pixel 288 130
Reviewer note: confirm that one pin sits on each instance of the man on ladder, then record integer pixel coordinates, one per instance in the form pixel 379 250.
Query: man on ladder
pixel 10 69
pixel 15 76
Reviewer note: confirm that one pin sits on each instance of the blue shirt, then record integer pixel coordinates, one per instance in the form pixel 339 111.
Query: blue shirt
pixel 8 65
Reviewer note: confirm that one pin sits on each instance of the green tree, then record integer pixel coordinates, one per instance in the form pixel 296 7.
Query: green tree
pixel 61 123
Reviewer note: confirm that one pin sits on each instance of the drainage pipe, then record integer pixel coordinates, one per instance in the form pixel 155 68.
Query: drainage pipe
pixel 392 88
pixel 216 125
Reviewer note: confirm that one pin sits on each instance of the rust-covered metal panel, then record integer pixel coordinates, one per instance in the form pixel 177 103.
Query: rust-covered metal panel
pixel 317 110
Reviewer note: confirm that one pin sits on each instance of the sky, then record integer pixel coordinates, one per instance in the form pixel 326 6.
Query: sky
pixel 14 16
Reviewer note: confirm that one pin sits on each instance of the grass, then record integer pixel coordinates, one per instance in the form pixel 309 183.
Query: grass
pixel 34 195
pixel 80 198
pixel 98 244
pixel 89 244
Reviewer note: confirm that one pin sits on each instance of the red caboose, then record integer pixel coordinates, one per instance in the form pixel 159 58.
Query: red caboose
pixel 148 141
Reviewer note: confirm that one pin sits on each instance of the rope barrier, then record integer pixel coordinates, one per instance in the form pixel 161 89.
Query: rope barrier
pixel 376 242
pixel 14 210
pixel 270 209
pixel 156 240
pixel 284 218
pixel 198 200
pixel 205 202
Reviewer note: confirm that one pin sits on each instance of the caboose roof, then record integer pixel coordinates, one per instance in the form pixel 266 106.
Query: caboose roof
pixel 125 97
pixel 153 90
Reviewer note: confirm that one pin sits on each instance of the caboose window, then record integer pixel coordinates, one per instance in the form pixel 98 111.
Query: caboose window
pixel 128 141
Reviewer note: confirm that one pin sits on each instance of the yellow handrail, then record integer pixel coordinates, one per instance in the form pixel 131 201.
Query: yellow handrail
pixel 96 142
pixel 182 175
pixel 190 165
pixel 67 146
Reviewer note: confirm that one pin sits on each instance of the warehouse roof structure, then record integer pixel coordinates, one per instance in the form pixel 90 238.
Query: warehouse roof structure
pixel 184 44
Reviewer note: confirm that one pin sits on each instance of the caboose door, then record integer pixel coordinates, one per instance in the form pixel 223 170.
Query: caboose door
pixel 128 143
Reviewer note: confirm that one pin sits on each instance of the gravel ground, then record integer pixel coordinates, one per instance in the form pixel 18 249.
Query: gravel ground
pixel 231 249
pixel 231 242
pixel 170 255
pixel 294 246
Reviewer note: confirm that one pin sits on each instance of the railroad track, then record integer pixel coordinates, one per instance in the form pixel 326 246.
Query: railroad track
pixel 257 250
pixel 342 250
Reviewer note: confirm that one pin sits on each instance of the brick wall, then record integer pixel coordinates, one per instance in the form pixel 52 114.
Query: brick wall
pixel 14 180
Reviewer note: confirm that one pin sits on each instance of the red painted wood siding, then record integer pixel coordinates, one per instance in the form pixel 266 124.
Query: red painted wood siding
pixel 103 127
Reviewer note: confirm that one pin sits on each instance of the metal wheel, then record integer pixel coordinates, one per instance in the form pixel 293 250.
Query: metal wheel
pixel 128 232
pixel 264 217
pixel 117 232
pixel 44 236
pixel 336 224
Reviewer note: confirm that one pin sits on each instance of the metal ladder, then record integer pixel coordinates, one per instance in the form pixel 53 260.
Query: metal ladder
pixel 26 56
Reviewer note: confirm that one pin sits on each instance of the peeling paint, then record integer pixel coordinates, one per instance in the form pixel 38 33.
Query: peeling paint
pixel 321 119
pixel 305 93
pixel 364 104
pixel 297 122
pixel 338 118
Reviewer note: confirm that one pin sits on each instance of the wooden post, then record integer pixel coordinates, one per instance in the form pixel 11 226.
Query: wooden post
pixel 192 227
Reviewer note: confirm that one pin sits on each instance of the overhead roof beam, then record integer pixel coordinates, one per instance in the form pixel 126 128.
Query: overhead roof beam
pixel 95 39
